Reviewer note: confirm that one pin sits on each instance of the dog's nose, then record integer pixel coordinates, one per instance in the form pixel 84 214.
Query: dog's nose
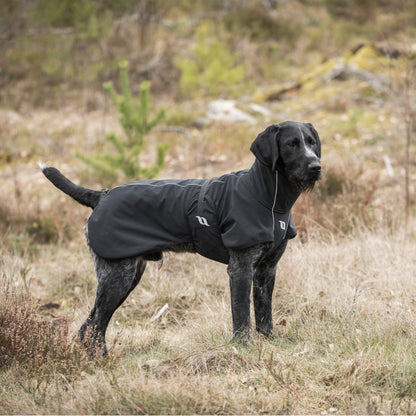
pixel 315 167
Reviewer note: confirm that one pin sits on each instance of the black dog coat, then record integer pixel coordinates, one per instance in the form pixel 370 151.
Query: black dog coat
pixel 236 210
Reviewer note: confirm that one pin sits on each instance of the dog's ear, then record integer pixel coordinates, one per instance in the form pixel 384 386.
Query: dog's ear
pixel 316 137
pixel 266 147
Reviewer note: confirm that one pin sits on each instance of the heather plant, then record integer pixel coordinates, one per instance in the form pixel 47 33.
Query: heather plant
pixel 38 345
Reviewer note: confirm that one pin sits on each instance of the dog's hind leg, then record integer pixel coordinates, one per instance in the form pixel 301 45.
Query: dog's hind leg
pixel 116 279
pixel 263 285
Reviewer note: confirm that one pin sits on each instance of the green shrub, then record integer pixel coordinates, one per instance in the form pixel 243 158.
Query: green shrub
pixel 213 68
pixel 136 123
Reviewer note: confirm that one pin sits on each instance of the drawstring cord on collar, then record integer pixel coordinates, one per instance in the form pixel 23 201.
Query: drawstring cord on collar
pixel 286 225
pixel 275 197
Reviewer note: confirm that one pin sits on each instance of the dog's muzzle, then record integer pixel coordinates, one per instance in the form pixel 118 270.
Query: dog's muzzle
pixel 315 169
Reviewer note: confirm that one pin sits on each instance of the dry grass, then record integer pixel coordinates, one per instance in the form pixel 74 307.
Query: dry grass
pixel 343 340
pixel 344 308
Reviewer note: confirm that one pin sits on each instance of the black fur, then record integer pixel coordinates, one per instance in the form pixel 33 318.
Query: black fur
pixel 84 196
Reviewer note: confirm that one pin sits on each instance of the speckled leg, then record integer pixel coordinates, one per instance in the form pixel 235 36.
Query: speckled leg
pixel 116 279
pixel 241 269
pixel 263 284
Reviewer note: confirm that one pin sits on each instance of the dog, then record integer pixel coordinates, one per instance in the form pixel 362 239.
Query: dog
pixel 242 219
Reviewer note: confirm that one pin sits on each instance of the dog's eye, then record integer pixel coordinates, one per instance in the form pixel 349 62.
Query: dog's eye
pixel 293 143
pixel 312 142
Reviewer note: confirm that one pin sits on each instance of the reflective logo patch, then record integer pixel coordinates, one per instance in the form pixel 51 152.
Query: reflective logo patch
pixel 202 221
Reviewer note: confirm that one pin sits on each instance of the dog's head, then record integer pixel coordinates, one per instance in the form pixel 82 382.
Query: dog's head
pixel 293 149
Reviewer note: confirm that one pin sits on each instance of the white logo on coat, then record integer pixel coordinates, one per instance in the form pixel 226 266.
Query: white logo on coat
pixel 202 221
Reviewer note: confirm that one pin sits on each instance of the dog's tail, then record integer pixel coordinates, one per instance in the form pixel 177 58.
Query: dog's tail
pixel 84 196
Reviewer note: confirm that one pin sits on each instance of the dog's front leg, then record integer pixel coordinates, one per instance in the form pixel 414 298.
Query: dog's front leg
pixel 263 285
pixel 241 269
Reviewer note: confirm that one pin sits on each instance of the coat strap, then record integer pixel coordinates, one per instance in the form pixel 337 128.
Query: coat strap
pixel 201 197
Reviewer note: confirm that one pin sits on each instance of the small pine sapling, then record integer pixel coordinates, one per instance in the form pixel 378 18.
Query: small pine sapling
pixel 136 122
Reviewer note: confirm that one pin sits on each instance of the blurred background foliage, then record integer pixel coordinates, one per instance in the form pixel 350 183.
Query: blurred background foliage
pixel 51 49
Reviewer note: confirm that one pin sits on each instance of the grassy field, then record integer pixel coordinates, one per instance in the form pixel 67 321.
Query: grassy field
pixel 345 297
pixel 343 340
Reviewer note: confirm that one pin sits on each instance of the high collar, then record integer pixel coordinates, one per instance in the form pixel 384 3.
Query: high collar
pixel 279 196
